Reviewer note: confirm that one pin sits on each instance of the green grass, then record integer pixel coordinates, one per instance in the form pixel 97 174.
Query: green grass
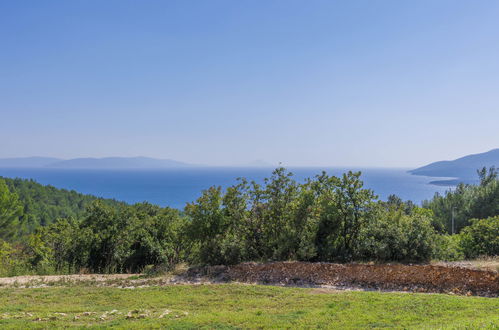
pixel 239 306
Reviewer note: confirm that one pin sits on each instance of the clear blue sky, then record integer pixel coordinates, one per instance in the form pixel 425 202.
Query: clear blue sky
pixel 361 83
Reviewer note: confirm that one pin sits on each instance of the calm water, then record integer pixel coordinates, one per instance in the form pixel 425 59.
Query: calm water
pixel 175 187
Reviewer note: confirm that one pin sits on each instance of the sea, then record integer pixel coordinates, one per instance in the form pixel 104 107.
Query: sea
pixel 177 186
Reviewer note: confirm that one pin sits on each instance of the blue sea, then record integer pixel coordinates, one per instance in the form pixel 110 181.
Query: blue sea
pixel 176 187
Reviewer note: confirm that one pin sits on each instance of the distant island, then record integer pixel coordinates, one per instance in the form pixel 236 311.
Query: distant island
pixel 109 163
pixel 93 163
pixel 462 169
pixel 27 162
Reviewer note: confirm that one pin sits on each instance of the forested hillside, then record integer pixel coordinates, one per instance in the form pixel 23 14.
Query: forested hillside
pixel 42 205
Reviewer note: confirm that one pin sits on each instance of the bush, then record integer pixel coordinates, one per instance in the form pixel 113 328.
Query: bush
pixel 448 248
pixel 39 256
pixel 396 236
pixel 12 261
pixel 481 238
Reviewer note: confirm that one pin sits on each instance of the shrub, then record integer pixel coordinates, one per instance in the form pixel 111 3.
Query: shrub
pixel 396 236
pixel 481 238
pixel 12 261
pixel 448 248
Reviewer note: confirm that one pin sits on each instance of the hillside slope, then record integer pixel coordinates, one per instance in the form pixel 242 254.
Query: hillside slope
pixel 45 204
pixel 463 168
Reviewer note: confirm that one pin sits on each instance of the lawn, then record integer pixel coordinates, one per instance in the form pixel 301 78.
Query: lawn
pixel 239 306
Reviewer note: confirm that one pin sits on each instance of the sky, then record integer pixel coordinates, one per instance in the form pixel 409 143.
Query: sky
pixel 305 83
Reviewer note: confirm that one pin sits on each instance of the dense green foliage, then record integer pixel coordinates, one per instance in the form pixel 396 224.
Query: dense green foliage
pixel 396 236
pixel 110 240
pixel 10 213
pixel 466 202
pixel 326 218
pixel 43 205
pixel 481 237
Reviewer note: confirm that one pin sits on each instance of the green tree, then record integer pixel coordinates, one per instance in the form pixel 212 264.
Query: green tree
pixel 208 224
pixel 105 236
pixel 487 176
pixel 61 239
pixel 344 208
pixel 10 213
pixel 159 237
pixel 466 202
pixel 277 223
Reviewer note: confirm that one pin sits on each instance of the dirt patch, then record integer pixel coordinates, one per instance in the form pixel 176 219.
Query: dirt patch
pixel 415 278
pixel 31 279
pixel 487 263
pixel 323 277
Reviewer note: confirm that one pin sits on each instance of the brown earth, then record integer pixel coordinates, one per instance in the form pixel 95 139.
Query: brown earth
pixel 40 279
pixel 388 277
pixel 486 263
pixel 415 278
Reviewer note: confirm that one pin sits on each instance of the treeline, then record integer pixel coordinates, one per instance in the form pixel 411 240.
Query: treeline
pixel 326 218
pixel 466 202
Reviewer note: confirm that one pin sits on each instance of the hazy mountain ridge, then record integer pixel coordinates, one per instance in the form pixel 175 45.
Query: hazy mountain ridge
pixel 119 162
pixel 93 163
pixel 464 168
pixel 28 161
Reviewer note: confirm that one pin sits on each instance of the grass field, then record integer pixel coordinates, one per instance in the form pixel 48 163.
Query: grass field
pixel 239 306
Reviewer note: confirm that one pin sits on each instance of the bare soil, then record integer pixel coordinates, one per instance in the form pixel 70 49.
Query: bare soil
pixel 487 263
pixel 397 277
pixel 452 278
pixel 27 279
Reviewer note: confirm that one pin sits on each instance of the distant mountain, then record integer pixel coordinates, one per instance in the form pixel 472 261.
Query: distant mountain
pixel 118 163
pixel 92 163
pixel 463 168
pixel 30 162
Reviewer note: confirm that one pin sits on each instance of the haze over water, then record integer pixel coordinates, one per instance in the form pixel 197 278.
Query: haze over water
pixel 176 187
